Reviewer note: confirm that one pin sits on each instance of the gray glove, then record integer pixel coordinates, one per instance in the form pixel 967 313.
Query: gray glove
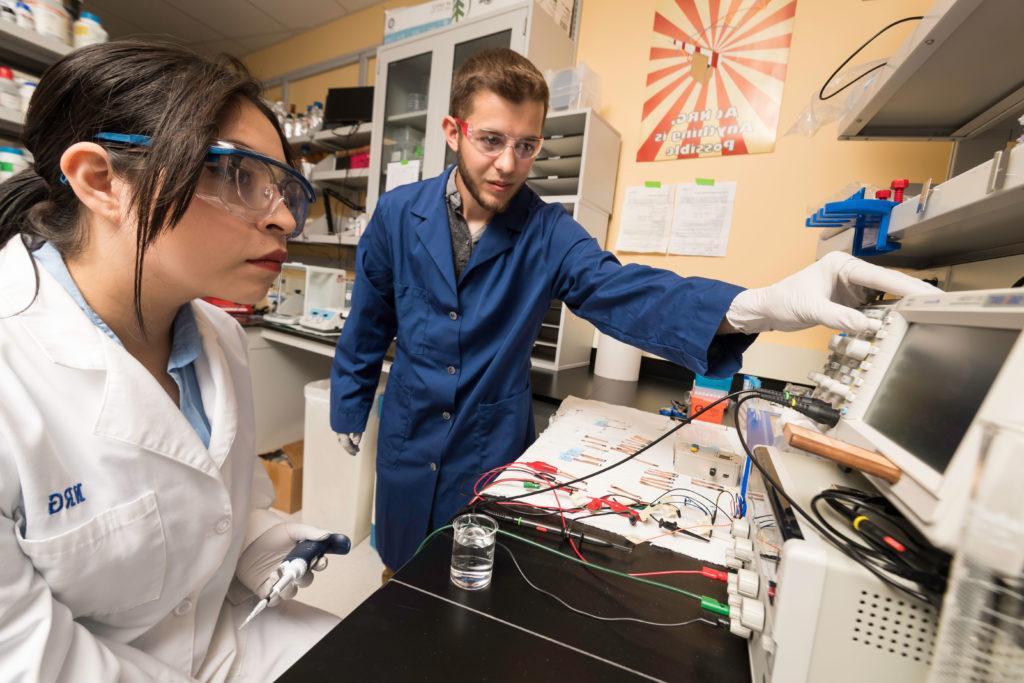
pixel 350 442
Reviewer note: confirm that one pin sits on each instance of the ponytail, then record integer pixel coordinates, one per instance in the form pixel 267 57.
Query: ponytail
pixel 18 196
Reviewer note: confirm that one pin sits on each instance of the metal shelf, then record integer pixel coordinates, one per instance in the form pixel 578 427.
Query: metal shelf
pixel 555 165
pixel 958 75
pixel 556 186
pixel 326 239
pixel 11 121
pixel 348 178
pixel 416 119
pixel 564 146
pixel 337 138
pixel 25 49
pixel 974 216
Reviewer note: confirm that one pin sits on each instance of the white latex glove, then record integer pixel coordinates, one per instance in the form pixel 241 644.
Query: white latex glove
pixel 257 568
pixel 350 442
pixel 820 294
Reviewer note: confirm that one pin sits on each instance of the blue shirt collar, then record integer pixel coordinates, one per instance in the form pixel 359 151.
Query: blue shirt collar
pixel 186 342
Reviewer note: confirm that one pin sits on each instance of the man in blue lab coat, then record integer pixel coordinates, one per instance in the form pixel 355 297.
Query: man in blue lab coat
pixel 463 267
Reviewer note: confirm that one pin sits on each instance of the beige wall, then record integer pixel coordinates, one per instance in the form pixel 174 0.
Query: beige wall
pixel 774 191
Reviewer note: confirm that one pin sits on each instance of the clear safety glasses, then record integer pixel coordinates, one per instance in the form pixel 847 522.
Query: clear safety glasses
pixel 244 183
pixel 493 144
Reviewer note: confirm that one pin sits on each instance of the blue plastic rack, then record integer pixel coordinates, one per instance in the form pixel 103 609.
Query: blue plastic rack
pixel 869 219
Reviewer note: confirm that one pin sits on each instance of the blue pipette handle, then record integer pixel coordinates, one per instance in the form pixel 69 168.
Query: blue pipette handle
pixel 311 551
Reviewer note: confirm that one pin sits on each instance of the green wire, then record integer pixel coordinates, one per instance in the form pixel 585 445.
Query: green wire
pixel 577 560
pixel 706 602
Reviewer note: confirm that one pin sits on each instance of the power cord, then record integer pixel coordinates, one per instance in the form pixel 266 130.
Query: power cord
pixel 854 552
pixel 821 93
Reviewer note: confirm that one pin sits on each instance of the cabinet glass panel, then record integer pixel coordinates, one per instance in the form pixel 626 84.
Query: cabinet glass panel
pixel 465 50
pixel 405 112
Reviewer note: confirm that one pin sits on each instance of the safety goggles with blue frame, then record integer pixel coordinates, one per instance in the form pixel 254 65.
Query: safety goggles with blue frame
pixel 243 182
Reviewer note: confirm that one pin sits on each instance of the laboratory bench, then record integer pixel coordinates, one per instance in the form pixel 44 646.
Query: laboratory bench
pixel 419 626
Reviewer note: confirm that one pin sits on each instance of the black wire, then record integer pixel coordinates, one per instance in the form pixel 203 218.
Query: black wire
pixel 1018 283
pixel 840 543
pixel 821 93
pixel 661 438
pixel 537 588
pixel 713 503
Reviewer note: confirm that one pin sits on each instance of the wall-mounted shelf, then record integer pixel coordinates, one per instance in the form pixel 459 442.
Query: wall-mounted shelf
pixel 11 121
pixel 343 240
pixel 25 49
pixel 337 138
pixel 976 215
pixel 958 75
pixel 348 178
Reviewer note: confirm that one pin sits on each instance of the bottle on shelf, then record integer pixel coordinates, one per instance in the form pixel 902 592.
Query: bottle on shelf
pixel 317 122
pixel 24 17
pixel 88 30
pixel 8 11
pixel 12 162
pixel 10 95
pixel 52 20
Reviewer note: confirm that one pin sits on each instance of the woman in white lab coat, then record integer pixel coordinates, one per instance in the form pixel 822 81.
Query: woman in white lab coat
pixel 134 529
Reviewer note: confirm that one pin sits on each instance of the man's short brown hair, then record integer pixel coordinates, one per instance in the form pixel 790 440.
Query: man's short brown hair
pixel 505 73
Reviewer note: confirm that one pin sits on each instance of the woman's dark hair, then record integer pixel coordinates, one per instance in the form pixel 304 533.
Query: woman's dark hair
pixel 170 93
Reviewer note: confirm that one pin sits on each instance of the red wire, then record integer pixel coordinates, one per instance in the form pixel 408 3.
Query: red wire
pixel 561 516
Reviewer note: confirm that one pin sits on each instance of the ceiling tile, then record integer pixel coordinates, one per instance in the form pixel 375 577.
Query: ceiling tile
pixel 157 17
pixel 232 18
pixel 303 15
pixel 253 43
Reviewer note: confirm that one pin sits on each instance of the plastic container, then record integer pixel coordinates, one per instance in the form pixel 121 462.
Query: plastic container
pixel 337 488
pixel 705 392
pixel 10 94
pixel 12 161
pixel 416 101
pixel 8 11
pixel 574 88
pixel 52 20
pixel 88 30
pixel 980 636
pixel 26 89
pixel 24 17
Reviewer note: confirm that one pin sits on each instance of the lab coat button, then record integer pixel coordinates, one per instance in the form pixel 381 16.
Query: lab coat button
pixel 453 315
pixel 183 608
pixel 446 415
pixel 223 525
pixel 451 369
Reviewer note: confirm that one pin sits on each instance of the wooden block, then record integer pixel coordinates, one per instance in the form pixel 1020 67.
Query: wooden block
pixel 843 453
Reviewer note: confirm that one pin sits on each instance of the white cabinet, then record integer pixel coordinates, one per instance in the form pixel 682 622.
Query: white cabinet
pixel 414 78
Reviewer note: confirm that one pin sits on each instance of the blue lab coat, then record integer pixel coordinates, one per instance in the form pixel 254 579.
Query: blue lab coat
pixel 458 399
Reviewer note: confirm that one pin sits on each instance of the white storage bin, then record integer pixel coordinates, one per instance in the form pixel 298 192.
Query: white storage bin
pixel 337 488
pixel 575 88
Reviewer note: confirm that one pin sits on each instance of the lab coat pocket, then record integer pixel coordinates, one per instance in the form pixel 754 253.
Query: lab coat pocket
pixel 501 429
pixel 413 313
pixel 112 563
pixel 394 422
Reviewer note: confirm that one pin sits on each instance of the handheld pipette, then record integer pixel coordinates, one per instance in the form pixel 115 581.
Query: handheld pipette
pixel 299 561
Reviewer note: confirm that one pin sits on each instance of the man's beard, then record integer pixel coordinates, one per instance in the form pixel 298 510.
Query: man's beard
pixel 474 191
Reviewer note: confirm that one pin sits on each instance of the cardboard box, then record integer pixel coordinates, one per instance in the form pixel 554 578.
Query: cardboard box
pixel 286 476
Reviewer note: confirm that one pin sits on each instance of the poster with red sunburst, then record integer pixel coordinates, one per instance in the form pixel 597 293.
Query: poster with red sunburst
pixel 715 77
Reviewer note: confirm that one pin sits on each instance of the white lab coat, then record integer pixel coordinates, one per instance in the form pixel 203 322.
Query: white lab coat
pixel 119 530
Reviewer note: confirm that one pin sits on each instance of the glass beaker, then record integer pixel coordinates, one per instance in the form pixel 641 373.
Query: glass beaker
pixel 473 551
